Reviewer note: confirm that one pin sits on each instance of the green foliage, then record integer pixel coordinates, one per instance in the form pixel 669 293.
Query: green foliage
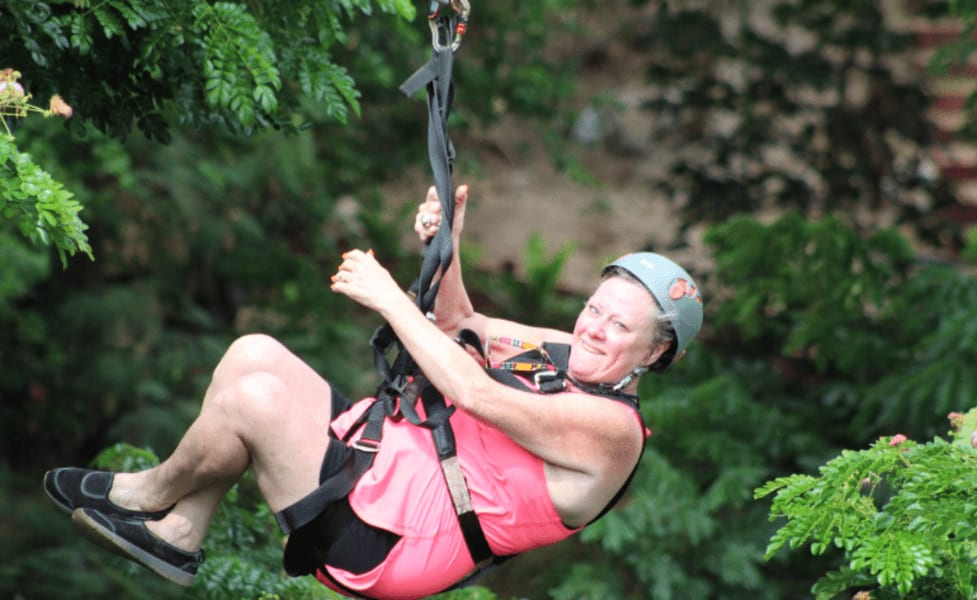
pixel 812 285
pixel 121 61
pixel 535 297
pixel 46 213
pixel 239 62
pixel 969 252
pixel 248 66
pixel 882 336
pixel 124 61
pixel 122 457
pixel 898 514
pixel 818 336
pixel 934 377
pixel 901 513
pixel 588 582
pixel 24 268
pixel 500 33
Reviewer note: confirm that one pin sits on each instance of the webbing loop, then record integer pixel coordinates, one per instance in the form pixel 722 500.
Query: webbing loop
pixel 439 250
pixel 435 75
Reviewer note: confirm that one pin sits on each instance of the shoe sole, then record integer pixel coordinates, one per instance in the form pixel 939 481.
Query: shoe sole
pixel 118 545
pixel 57 503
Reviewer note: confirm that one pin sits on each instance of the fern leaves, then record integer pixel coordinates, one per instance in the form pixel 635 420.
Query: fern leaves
pixel 229 62
pixel 329 86
pixel 239 62
pixel 45 211
pixel 125 62
pixel 901 513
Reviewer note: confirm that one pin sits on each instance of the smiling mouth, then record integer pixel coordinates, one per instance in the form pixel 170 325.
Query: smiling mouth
pixel 590 348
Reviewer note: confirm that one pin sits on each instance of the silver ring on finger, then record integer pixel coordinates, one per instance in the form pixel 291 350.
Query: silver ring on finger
pixel 425 221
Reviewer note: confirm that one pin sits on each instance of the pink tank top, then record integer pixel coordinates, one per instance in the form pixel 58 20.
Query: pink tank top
pixel 404 492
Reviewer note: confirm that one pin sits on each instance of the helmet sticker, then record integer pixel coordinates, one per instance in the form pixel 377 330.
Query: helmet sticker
pixel 683 288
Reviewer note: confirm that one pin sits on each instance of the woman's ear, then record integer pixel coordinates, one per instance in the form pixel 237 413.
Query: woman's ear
pixel 655 353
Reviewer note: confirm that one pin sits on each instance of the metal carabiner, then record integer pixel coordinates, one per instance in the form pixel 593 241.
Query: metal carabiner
pixel 441 27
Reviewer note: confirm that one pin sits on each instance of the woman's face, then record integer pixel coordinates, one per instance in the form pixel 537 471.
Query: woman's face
pixel 613 333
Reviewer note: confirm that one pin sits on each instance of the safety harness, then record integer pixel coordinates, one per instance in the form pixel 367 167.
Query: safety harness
pixel 402 383
pixel 545 367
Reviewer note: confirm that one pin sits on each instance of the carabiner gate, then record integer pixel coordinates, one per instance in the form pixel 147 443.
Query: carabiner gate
pixel 447 32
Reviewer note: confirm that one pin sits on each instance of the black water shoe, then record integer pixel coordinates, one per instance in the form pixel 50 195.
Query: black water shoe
pixel 131 539
pixel 70 488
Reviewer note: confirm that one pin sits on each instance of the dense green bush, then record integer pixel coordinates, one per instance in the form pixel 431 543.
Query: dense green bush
pixel 821 334
pixel 900 512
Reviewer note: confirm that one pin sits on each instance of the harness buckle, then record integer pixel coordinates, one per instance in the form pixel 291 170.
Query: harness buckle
pixel 550 382
pixel 366 445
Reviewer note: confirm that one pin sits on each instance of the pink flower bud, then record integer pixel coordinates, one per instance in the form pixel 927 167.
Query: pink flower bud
pixel 60 107
pixel 956 420
pixel 897 439
pixel 12 89
pixel 973 438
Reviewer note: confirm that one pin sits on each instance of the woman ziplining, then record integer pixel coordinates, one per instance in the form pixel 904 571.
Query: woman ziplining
pixel 471 452
pixel 538 466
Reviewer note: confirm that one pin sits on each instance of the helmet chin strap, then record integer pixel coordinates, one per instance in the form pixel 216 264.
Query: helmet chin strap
pixel 626 381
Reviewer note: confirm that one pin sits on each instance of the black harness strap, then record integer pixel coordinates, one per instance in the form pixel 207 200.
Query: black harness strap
pixel 401 382
pixel 341 484
pixel 444 444
pixel 435 75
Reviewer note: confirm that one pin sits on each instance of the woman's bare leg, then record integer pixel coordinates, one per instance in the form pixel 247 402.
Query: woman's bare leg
pixel 265 408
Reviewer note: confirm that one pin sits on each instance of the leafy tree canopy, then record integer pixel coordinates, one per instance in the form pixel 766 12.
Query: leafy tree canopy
pixel 243 66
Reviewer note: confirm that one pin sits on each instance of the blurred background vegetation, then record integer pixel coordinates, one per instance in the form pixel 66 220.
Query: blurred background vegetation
pixel 840 293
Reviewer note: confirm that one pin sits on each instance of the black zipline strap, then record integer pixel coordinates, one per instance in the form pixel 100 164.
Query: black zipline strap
pixel 401 382
pixel 435 75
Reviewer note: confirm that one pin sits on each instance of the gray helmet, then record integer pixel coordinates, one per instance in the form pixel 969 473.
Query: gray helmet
pixel 673 289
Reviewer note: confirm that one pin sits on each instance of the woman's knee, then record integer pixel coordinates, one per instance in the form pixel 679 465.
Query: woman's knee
pixel 254 397
pixel 248 354
pixel 259 377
